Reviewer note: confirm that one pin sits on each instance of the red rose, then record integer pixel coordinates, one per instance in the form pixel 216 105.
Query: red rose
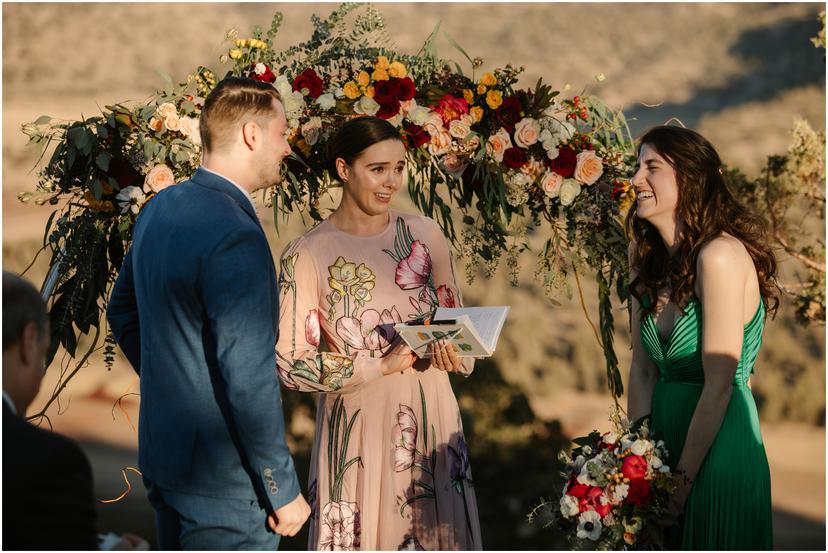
pixel 578 490
pixel 639 492
pixel 514 158
pixel 405 89
pixel 310 80
pixel 634 466
pixel 266 77
pixel 508 114
pixel 385 92
pixel 593 501
pixel 389 110
pixel 565 163
pixel 450 108
pixel 417 136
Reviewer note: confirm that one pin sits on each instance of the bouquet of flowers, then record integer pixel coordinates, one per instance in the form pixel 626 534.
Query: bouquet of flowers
pixel 617 489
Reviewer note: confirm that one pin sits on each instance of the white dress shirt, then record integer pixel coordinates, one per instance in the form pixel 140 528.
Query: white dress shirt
pixel 234 183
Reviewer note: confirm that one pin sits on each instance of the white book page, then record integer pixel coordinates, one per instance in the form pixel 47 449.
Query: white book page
pixel 487 321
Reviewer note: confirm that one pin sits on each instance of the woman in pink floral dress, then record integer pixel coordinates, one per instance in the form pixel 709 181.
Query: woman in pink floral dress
pixel 389 467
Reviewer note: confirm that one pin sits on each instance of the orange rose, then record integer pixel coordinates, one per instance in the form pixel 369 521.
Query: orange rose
pixel 589 167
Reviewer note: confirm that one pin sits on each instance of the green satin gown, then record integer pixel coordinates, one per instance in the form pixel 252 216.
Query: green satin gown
pixel 729 506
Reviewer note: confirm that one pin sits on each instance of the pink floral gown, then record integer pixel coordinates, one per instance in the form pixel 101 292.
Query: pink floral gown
pixel 389 467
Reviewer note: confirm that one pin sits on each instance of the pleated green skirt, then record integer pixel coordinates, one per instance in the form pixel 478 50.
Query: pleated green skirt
pixel 729 506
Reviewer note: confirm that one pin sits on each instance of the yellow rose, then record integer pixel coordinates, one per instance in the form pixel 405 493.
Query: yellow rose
pixel 380 75
pixel 468 95
pixel 382 63
pixel 369 91
pixel 364 78
pixel 397 70
pixel 235 54
pixel 351 90
pixel 494 98
pixel 260 44
pixel 488 79
pixel 481 89
pixel 477 113
pixel 241 43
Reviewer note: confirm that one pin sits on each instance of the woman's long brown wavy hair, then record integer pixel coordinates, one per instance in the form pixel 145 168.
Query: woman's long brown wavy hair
pixel 707 208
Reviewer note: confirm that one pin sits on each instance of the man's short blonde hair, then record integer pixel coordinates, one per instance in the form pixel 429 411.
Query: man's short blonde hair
pixel 233 102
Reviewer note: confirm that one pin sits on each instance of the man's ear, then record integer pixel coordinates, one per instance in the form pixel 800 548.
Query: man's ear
pixel 251 134
pixel 30 342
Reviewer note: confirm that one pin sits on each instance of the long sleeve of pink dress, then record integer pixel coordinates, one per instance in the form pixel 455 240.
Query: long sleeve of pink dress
pixel 390 467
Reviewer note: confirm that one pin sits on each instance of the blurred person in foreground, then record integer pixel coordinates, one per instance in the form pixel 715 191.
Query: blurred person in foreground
pixel 702 281
pixel 48 501
pixel 195 310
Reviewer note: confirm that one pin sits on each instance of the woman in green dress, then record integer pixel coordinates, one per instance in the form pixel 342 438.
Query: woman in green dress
pixel 702 281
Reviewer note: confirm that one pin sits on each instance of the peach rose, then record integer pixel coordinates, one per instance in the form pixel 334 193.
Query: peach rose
pixel 159 178
pixel 166 109
pixel 551 183
pixel 156 124
pixel 190 129
pixel 498 143
pixel 440 143
pixel 526 132
pixel 434 124
pixel 589 167
pixel 172 122
pixel 459 129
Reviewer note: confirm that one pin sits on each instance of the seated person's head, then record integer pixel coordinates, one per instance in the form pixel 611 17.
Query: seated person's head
pixel 25 340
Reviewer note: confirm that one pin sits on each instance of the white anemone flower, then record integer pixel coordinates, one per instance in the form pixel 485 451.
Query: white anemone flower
pixel 589 526
pixel 131 199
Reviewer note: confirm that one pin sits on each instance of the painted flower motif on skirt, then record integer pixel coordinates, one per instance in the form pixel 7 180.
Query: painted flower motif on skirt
pixel 445 296
pixel 405 439
pixel 339 527
pixel 459 463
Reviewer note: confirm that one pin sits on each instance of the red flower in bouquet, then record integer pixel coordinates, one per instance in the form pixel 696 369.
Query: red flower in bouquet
pixel 592 501
pixel 405 89
pixel 508 114
pixel 639 492
pixel 385 92
pixel 310 80
pixel 417 136
pixel 578 490
pixel 450 108
pixel 634 467
pixel 514 158
pixel 389 110
pixel 565 163
pixel 261 72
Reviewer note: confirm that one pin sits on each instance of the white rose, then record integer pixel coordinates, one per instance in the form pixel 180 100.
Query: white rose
pixel 311 130
pixel 260 69
pixel 190 129
pixel 293 103
pixel 166 109
pixel 551 152
pixel 640 447
pixel 172 122
pixel 419 115
pixel 610 437
pixel 520 180
pixel 339 92
pixel 396 120
pixel 366 106
pixel 326 101
pixel 570 188
pixel 569 506
pixel 526 132
pixel 459 129
pixel 293 123
pixel 655 462
pixel 497 144
pixel 620 493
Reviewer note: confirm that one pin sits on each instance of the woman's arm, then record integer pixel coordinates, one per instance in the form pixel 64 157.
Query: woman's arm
pixel 721 279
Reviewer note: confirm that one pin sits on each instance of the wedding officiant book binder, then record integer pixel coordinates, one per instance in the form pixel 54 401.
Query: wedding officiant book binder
pixel 473 330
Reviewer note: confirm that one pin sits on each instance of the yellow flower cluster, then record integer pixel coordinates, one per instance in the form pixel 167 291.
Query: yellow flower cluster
pixel 383 71
pixel 493 97
pixel 251 43
pixel 98 205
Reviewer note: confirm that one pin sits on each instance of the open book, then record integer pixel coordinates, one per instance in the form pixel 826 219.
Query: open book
pixel 473 330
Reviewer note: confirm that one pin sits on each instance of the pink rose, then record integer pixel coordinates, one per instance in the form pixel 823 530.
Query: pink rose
pixel 459 129
pixel 589 167
pixel 526 132
pixel 159 178
pixel 497 144
pixel 454 164
pixel 551 183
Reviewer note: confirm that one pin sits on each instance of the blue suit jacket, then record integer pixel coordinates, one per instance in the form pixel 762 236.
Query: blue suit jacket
pixel 195 309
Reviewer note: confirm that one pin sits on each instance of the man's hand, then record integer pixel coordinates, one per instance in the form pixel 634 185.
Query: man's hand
pixel 288 520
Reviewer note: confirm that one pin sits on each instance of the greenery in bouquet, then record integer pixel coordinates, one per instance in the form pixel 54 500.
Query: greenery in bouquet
pixel 616 489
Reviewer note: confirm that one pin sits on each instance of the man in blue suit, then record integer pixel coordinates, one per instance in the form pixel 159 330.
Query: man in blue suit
pixel 195 310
